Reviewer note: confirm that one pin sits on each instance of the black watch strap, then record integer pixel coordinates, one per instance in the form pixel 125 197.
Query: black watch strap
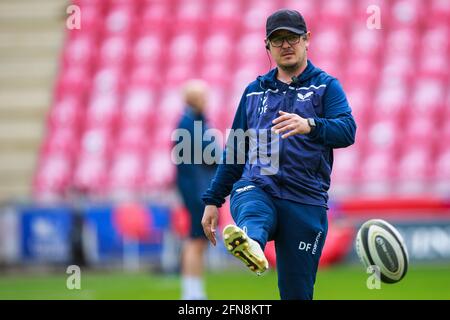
pixel 312 123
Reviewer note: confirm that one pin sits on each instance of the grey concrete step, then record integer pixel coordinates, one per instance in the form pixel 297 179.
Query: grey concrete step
pixel 17 132
pixel 16 161
pixel 31 39
pixel 17 10
pixel 50 39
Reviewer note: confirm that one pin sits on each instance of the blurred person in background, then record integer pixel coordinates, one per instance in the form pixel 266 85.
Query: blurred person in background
pixel 76 199
pixel 192 180
pixel 306 113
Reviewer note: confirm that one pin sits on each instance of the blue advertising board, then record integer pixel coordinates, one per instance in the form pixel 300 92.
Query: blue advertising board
pixel 45 234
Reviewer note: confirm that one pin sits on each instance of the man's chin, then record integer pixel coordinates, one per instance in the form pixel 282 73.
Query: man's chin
pixel 289 66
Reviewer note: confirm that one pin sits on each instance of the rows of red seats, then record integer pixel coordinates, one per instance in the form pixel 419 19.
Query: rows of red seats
pixel 117 97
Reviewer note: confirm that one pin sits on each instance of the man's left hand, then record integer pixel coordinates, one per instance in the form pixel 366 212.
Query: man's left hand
pixel 292 123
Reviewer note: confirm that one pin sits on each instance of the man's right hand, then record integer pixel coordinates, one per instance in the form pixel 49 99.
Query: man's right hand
pixel 209 222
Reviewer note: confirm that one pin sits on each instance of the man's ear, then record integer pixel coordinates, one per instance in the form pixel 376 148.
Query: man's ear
pixel 307 37
pixel 267 44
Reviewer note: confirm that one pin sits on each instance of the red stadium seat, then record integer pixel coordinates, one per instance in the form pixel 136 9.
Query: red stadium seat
pixel 53 174
pixel 376 173
pixel 80 52
pixel 382 136
pixel 402 42
pixel 216 102
pixel 436 40
pixel 337 12
pixel 62 140
pixel 138 106
pixel 91 175
pixel 428 97
pixel 74 80
pixel 67 113
pixel 103 111
pixel 147 49
pixel 114 51
pixel 442 168
pixel 406 13
pixel 154 17
pixel 360 100
pixel 250 49
pixel 160 171
pixel 215 74
pixel 362 72
pixel 365 43
pixel 309 9
pixel 420 131
pixel 439 12
pixel 183 48
pixel 125 175
pixel 398 68
pixel 108 80
pixel 145 76
pixel 256 12
pixel 170 106
pixel 179 72
pixel 441 174
pixel 161 138
pixel 390 101
pixel 96 142
pixel 345 165
pixel 132 139
pixel 243 76
pixel 217 48
pixel 191 9
pixel 225 15
pixel 434 65
pixel 444 129
pixel 120 20
pixel 413 171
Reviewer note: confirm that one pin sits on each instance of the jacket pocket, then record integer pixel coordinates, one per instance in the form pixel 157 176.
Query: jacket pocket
pixel 311 156
pixel 269 114
pixel 318 172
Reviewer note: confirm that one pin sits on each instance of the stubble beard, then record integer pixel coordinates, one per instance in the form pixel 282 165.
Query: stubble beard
pixel 290 68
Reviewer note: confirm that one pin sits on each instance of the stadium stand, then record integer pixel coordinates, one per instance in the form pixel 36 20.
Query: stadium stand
pixel 31 35
pixel 116 101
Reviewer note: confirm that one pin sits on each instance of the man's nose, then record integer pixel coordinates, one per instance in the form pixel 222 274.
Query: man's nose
pixel 285 44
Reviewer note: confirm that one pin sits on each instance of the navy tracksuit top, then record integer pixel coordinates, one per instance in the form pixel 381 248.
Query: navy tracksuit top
pixel 304 161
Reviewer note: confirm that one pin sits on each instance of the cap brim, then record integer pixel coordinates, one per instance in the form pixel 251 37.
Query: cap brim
pixel 294 30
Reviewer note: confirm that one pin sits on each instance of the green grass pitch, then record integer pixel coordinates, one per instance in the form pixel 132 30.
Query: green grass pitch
pixel 340 282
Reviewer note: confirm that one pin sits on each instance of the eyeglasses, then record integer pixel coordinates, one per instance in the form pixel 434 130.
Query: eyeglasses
pixel 291 39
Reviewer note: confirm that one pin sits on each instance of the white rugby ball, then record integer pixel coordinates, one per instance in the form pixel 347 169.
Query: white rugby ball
pixel 379 244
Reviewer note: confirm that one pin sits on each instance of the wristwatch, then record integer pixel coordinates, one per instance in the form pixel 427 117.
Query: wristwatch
pixel 312 123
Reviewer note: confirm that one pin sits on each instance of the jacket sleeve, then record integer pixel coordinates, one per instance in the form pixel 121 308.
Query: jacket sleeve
pixel 230 169
pixel 337 128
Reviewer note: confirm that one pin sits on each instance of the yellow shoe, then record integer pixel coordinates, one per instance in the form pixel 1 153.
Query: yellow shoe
pixel 244 248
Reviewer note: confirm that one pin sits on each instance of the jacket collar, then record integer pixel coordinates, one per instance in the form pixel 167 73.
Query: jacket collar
pixel 270 81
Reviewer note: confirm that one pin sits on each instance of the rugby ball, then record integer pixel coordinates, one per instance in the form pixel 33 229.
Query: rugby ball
pixel 379 244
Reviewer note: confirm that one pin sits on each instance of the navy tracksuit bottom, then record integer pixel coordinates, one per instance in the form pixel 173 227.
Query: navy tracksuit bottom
pixel 192 180
pixel 299 232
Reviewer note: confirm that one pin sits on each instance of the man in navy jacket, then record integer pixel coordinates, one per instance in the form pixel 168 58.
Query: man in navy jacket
pixel 293 117
pixel 192 179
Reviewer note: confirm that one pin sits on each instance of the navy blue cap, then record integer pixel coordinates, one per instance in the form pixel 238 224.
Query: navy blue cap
pixel 285 19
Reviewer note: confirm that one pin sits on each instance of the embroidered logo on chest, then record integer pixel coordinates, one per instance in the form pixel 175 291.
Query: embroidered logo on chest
pixel 304 97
